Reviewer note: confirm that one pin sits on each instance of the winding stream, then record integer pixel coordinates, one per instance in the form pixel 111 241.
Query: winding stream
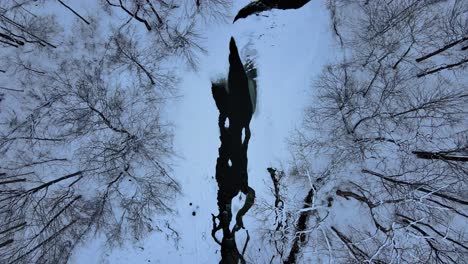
pixel 236 103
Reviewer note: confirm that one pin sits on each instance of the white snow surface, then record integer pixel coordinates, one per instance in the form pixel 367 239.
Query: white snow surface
pixel 292 47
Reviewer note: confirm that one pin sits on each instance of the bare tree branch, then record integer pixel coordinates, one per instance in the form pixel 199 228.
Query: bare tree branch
pixel 74 12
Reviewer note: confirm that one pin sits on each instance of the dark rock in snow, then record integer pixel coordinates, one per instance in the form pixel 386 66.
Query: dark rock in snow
pixel 256 7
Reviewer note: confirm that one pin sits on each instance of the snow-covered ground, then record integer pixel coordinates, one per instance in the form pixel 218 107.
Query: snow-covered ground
pixel 292 47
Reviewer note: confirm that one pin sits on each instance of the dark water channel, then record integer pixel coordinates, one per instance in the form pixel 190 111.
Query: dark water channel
pixel 236 103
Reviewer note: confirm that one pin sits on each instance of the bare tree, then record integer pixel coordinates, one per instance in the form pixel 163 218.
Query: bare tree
pixel 177 36
pixel 384 145
pixel 83 146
